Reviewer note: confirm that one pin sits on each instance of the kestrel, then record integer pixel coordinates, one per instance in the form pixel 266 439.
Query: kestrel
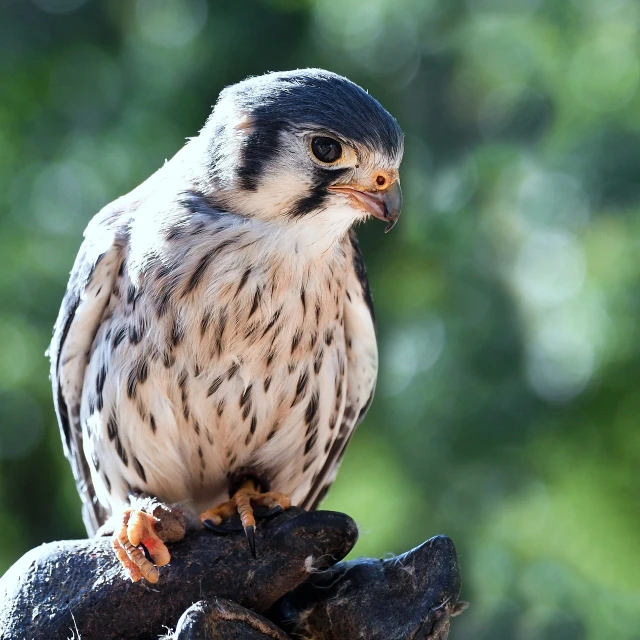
pixel 216 344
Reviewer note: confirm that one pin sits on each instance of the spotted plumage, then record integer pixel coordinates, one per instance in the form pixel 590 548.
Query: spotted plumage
pixel 218 318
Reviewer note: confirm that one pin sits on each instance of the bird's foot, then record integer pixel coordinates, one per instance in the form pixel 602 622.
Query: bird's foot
pixel 243 502
pixel 135 529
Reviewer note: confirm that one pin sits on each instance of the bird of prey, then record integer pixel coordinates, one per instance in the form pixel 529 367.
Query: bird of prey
pixel 216 346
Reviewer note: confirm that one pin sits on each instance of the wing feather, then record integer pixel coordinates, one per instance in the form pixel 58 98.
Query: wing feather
pixel 87 296
pixel 88 292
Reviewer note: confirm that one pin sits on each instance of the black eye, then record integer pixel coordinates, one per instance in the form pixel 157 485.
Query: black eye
pixel 326 149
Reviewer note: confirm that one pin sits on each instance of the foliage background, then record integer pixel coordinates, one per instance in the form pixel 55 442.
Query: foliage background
pixel 508 296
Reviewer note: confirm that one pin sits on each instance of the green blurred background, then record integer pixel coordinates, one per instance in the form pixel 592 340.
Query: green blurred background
pixel 508 296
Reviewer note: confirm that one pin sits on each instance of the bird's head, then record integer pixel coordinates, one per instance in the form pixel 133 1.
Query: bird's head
pixel 306 149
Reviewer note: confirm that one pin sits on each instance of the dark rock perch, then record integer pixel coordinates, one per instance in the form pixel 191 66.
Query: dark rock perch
pixel 409 596
pixel 222 618
pixel 214 589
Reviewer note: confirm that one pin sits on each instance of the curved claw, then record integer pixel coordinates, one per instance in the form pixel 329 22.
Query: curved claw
pixel 246 504
pixel 274 511
pixel 250 532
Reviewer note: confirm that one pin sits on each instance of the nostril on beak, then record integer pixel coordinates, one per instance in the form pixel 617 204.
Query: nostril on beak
pixel 381 180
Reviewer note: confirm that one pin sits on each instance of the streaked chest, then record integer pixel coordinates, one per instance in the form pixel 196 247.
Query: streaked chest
pixel 235 353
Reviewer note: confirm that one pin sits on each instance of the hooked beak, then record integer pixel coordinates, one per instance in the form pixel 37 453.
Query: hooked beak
pixel 384 205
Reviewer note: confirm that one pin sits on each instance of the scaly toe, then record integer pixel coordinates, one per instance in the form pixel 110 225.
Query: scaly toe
pixel 137 527
pixel 217 514
pixel 129 565
pixel 273 500
pixel 141 530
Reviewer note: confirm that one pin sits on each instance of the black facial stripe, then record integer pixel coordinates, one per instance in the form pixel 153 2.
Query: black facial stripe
pixel 261 146
pixel 318 193
pixel 311 202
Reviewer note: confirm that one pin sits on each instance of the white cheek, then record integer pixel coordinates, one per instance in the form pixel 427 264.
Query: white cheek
pixel 276 195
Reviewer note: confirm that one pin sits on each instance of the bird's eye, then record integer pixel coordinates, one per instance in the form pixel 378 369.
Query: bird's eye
pixel 326 149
